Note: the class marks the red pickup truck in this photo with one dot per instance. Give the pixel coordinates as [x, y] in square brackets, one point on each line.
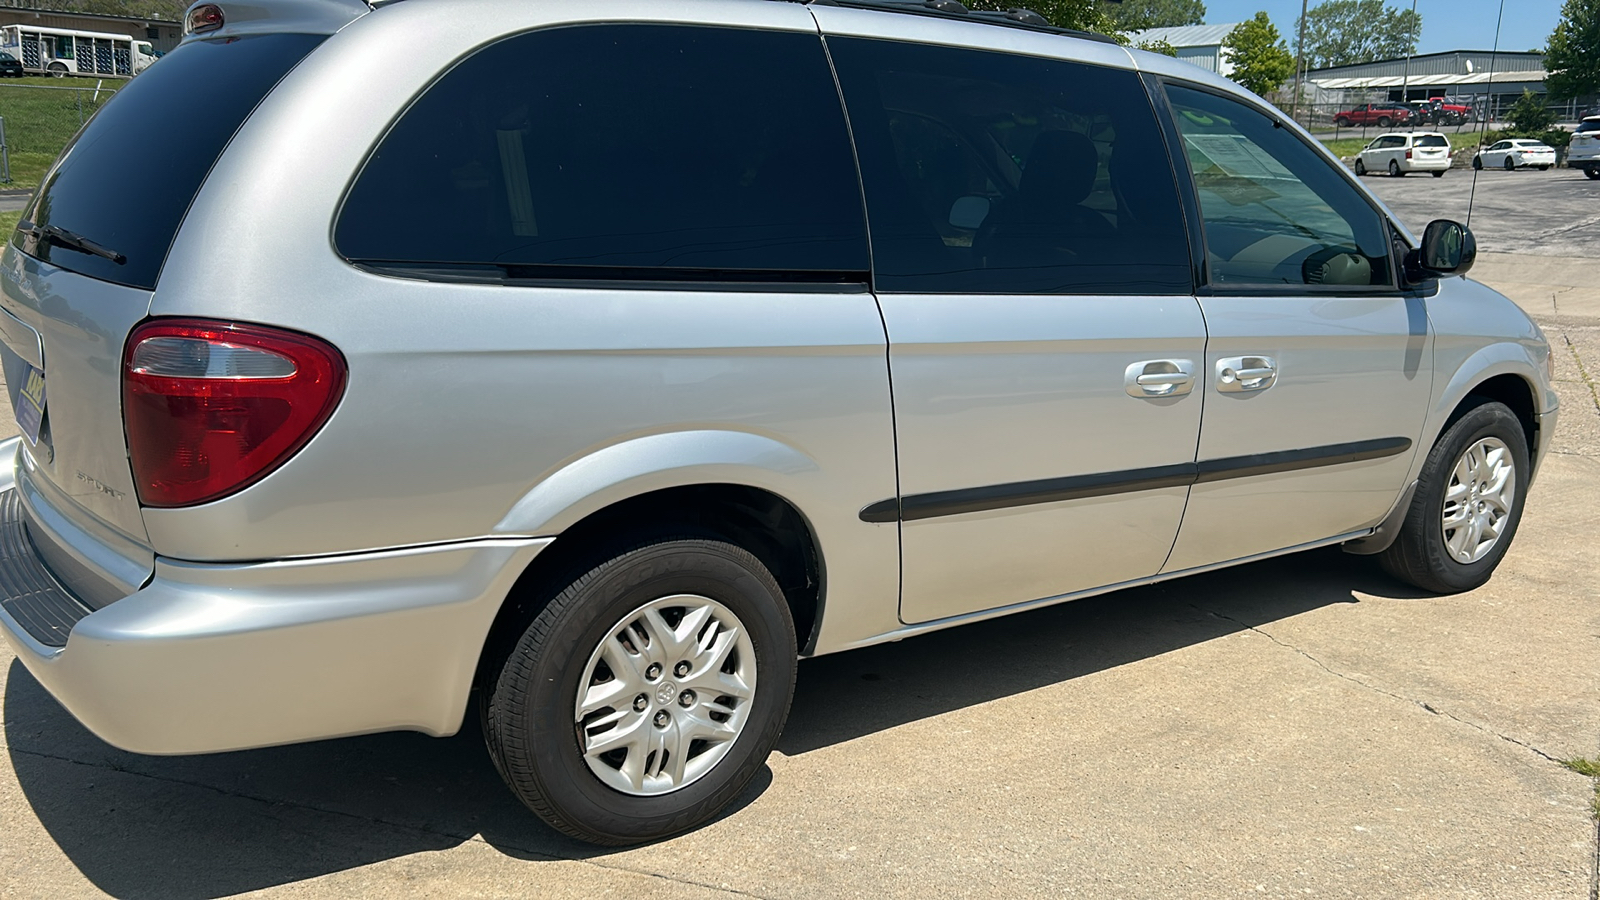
[1380, 114]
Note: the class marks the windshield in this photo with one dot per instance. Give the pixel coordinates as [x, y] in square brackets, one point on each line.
[164, 130]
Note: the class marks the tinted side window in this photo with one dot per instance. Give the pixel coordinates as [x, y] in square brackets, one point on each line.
[1275, 211]
[620, 151]
[988, 173]
[163, 131]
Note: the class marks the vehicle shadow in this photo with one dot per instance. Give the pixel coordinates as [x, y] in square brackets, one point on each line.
[210, 826]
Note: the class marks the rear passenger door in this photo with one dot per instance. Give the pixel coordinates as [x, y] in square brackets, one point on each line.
[1316, 378]
[1031, 262]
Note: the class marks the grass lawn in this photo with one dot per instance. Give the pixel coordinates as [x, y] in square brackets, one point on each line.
[41, 115]
[8, 224]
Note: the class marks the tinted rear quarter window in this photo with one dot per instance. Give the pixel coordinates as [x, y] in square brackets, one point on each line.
[129, 176]
[619, 151]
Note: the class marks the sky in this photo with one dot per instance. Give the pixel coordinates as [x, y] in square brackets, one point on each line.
[1446, 24]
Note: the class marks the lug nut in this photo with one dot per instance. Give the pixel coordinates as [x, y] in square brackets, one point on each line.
[662, 719]
[641, 702]
[686, 699]
[653, 672]
[681, 669]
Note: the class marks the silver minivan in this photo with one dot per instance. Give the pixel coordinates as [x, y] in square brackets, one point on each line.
[583, 365]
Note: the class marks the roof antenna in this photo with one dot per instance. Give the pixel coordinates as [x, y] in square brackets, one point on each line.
[1488, 104]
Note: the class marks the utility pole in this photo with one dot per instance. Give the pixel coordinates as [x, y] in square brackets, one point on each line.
[1405, 81]
[1299, 62]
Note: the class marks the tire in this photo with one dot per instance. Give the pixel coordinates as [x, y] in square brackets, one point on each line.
[1361, 167]
[1342, 122]
[57, 70]
[1439, 174]
[531, 705]
[1394, 169]
[1544, 168]
[1510, 165]
[1420, 554]
[1477, 162]
[1592, 172]
[1383, 122]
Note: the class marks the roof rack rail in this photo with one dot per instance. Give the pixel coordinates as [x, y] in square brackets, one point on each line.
[1025, 19]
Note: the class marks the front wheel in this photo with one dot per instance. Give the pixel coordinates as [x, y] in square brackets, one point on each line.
[647, 694]
[57, 70]
[1477, 162]
[1342, 122]
[1592, 171]
[1467, 505]
[1361, 167]
[1544, 168]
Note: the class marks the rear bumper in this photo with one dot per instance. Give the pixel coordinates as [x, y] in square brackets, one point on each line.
[1426, 165]
[208, 658]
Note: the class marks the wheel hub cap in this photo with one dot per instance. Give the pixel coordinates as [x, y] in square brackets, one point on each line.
[688, 723]
[1478, 500]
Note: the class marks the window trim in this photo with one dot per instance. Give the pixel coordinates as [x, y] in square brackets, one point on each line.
[1191, 198]
[617, 277]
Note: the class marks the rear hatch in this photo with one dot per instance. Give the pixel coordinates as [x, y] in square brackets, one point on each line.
[79, 273]
[1431, 146]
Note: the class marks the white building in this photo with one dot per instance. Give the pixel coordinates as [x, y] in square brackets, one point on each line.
[1197, 44]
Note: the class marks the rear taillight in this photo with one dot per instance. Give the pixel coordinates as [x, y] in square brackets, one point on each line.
[1408, 154]
[212, 407]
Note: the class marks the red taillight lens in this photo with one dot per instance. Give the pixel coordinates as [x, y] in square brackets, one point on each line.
[1408, 154]
[213, 407]
[204, 18]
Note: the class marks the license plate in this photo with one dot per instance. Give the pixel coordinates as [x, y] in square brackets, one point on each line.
[30, 404]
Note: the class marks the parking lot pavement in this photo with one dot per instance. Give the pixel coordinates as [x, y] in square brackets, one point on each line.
[1302, 726]
[1551, 213]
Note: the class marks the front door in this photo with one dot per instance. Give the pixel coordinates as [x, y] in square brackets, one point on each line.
[1032, 268]
[1316, 378]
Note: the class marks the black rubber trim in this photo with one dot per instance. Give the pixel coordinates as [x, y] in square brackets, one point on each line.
[28, 592]
[1078, 487]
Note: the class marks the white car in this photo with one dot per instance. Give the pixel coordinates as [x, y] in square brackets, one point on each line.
[1397, 154]
[1584, 151]
[1516, 154]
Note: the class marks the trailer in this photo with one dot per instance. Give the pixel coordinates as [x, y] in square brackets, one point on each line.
[64, 51]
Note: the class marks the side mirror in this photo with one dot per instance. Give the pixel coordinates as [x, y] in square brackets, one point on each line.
[968, 213]
[1448, 248]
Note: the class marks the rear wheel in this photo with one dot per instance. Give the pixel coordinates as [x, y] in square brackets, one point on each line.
[1439, 174]
[1510, 166]
[1544, 168]
[1394, 169]
[647, 694]
[1383, 122]
[1467, 505]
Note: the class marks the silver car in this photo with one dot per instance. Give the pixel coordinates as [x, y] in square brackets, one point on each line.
[584, 364]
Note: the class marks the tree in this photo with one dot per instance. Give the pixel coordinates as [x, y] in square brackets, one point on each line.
[1573, 56]
[1529, 116]
[1136, 15]
[1348, 32]
[1261, 60]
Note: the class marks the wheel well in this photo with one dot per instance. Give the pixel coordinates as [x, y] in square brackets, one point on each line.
[1516, 393]
[761, 522]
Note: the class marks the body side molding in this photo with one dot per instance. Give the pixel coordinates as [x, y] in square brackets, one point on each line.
[1077, 487]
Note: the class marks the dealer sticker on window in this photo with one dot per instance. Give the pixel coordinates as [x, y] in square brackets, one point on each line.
[30, 404]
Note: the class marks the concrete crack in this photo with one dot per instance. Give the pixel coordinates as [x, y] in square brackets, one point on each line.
[375, 820]
[1594, 392]
[1374, 688]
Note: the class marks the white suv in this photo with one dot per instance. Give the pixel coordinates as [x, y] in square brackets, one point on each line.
[1398, 154]
[1584, 151]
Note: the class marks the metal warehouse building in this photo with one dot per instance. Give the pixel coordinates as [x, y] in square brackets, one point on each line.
[1493, 81]
[160, 33]
[1197, 44]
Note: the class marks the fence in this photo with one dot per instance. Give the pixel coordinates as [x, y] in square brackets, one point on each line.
[41, 118]
[1349, 120]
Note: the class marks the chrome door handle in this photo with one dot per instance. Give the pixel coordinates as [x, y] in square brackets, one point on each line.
[1238, 374]
[1159, 378]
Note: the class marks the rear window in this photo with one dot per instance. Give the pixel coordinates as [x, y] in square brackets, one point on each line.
[619, 152]
[129, 176]
[1432, 140]
[1588, 125]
